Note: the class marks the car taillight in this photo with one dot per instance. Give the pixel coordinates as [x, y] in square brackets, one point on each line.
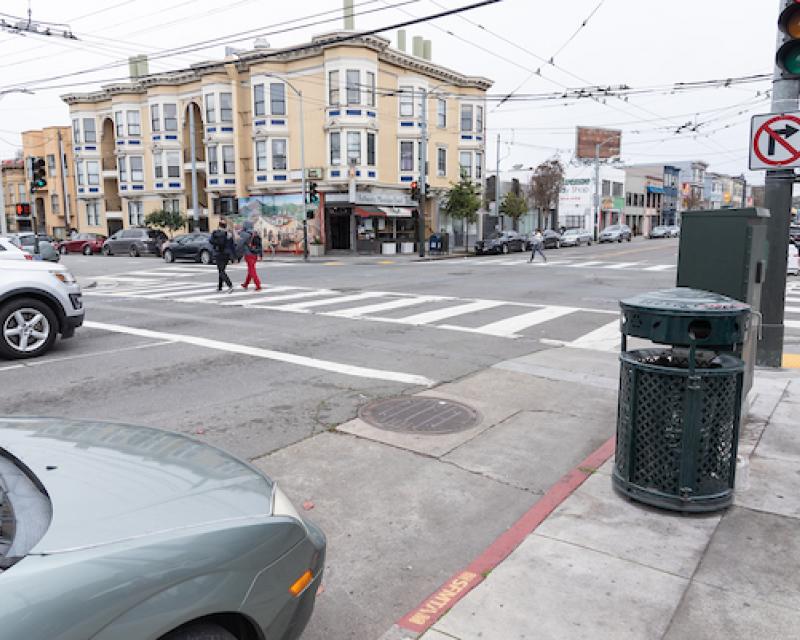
[28, 256]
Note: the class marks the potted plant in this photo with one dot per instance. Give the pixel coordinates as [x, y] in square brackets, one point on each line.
[316, 248]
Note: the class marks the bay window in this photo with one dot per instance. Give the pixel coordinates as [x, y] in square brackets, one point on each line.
[211, 111]
[466, 117]
[336, 148]
[173, 164]
[261, 155]
[213, 160]
[89, 131]
[137, 168]
[353, 86]
[333, 88]
[279, 154]
[122, 163]
[170, 117]
[228, 161]
[371, 149]
[225, 107]
[354, 147]
[370, 89]
[406, 102]
[155, 118]
[93, 172]
[406, 155]
[134, 123]
[277, 99]
[258, 100]
[465, 160]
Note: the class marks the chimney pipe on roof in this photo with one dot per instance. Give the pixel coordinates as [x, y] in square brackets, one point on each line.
[349, 19]
[401, 40]
[426, 50]
[137, 66]
[416, 47]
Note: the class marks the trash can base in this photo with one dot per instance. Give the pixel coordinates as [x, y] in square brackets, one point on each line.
[701, 504]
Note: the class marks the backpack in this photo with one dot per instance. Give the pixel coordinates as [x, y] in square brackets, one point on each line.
[218, 240]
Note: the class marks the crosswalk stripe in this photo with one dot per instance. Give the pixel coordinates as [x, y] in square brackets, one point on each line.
[621, 265]
[590, 263]
[163, 273]
[450, 312]
[792, 324]
[793, 309]
[174, 292]
[660, 267]
[143, 290]
[258, 302]
[305, 306]
[355, 312]
[606, 338]
[509, 327]
[225, 295]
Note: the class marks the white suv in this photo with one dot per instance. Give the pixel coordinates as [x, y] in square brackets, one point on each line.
[37, 302]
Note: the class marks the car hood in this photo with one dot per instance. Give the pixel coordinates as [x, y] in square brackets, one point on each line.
[108, 482]
[30, 265]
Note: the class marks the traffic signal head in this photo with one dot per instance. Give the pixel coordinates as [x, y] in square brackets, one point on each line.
[23, 210]
[788, 55]
[313, 196]
[415, 190]
[38, 169]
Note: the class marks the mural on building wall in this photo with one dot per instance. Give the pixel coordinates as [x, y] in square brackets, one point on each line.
[278, 218]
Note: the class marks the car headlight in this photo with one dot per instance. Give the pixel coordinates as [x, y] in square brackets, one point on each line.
[65, 276]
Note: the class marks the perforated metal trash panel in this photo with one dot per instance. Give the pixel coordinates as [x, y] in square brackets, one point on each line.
[677, 433]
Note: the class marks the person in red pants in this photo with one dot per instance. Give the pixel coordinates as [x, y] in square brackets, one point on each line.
[253, 250]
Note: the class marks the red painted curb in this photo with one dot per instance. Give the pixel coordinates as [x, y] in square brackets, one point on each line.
[440, 601]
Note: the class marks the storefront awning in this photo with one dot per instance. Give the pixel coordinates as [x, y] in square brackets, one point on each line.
[368, 211]
[652, 189]
[396, 212]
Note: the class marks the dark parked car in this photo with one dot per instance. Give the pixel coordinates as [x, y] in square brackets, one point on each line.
[501, 242]
[615, 233]
[135, 242]
[85, 243]
[660, 232]
[794, 234]
[112, 532]
[189, 246]
[576, 237]
[552, 239]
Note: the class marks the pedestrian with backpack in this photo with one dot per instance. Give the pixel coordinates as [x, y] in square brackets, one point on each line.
[253, 249]
[224, 251]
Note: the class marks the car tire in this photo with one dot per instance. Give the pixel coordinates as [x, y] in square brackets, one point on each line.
[629, 239]
[588, 243]
[106, 250]
[504, 249]
[133, 252]
[200, 632]
[205, 256]
[63, 250]
[87, 250]
[28, 307]
[168, 256]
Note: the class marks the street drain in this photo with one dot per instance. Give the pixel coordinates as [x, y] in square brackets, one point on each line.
[418, 414]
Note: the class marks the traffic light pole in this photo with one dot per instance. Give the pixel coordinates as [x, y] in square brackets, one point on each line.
[3, 227]
[423, 170]
[778, 199]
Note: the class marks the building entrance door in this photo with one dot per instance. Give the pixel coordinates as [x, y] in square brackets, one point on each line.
[114, 225]
[339, 228]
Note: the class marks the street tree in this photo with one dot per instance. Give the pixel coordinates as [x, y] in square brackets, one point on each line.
[545, 185]
[693, 200]
[171, 221]
[462, 202]
[514, 206]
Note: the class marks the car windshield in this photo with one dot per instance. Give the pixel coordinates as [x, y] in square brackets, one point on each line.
[571, 232]
[612, 228]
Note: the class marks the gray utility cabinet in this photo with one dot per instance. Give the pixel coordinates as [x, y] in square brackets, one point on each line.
[725, 251]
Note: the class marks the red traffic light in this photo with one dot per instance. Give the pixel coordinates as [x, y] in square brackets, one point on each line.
[23, 210]
[414, 184]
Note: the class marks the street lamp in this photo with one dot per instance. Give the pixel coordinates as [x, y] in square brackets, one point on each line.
[597, 183]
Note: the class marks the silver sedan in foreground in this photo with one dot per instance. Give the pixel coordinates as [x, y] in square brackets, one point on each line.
[114, 532]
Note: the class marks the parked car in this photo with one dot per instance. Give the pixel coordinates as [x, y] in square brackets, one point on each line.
[189, 246]
[38, 301]
[576, 237]
[552, 239]
[85, 243]
[134, 241]
[615, 233]
[26, 241]
[674, 231]
[794, 234]
[793, 261]
[113, 531]
[660, 232]
[501, 242]
[10, 251]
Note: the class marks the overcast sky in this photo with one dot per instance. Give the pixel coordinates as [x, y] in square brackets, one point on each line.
[640, 43]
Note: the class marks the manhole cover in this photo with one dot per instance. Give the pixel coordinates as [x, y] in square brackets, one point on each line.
[419, 415]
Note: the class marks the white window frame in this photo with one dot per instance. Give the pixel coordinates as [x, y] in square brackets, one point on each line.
[172, 205]
[210, 103]
[173, 163]
[406, 101]
[353, 87]
[54, 204]
[259, 100]
[137, 173]
[133, 119]
[334, 90]
[462, 118]
[93, 213]
[441, 161]
[228, 158]
[212, 156]
[170, 121]
[158, 166]
[119, 124]
[89, 132]
[372, 141]
[76, 131]
[51, 165]
[465, 171]
[261, 155]
[441, 113]
[274, 155]
[478, 166]
[401, 145]
[92, 177]
[135, 213]
[122, 164]
[370, 89]
[478, 119]
[277, 98]
[354, 135]
[225, 113]
[337, 146]
[155, 118]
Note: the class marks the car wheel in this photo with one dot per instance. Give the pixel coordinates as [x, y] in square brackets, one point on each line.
[505, 248]
[168, 256]
[63, 251]
[588, 243]
[28, 328]
[133, 252]
[629, 239]
[200, 632]
[106, 250]
[205, 256]
[87, 250]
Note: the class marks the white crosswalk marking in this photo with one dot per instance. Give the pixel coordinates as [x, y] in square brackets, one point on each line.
[303, 307]
[227, 296]
[258, 301]
[428, 317]
[586, 265]
[621, 265]
[509, 327]
[660, 267]
[382, 306]
[606, 338]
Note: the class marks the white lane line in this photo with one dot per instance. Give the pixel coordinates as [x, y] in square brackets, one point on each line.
[660, 267]
[117, 292]
[450, 312]
[621, 265]
[509, 327]
[792, 324]
[162, 274]
[606, 338]
[241, 292]
[159, 292]
[793, 309]
[588, 263]
[260, 302]
[290, 358]
[36, 363]
[357, 312]
[122, 279]
[303, 307]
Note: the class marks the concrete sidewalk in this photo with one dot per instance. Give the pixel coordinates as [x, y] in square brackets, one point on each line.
[601, 566]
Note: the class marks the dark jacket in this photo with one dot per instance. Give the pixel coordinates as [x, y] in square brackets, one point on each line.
[222, 243]
[250, 243]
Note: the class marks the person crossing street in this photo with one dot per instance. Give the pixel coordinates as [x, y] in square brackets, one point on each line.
[253, 249]
[537, 246]
[224, 251]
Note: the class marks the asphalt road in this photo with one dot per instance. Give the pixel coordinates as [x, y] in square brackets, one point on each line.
[269, 376]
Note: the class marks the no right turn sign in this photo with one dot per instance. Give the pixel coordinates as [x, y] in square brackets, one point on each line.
[773, 141]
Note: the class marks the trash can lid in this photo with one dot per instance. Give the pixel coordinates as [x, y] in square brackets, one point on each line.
[685, 301]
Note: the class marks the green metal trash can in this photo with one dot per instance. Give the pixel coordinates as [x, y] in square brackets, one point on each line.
[679, 405]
